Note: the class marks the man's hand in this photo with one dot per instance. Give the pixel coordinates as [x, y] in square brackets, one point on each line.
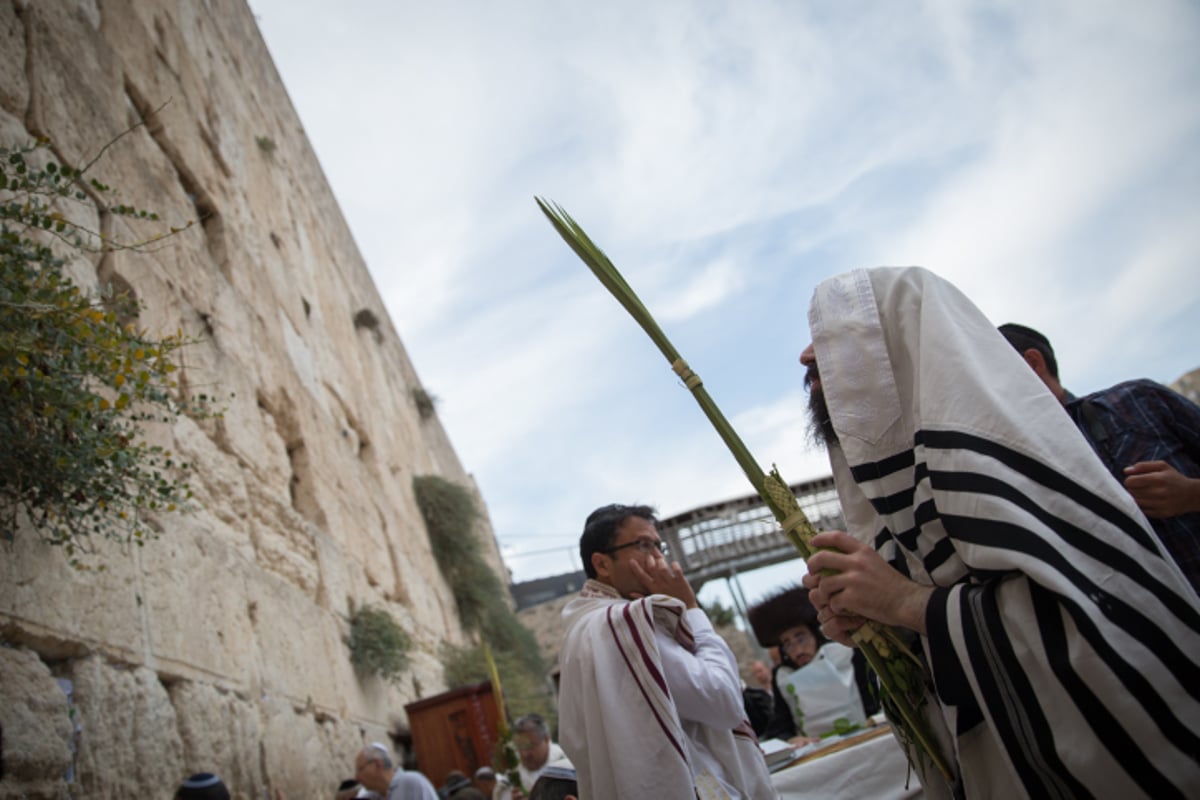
[661, 578]
[865, 586]
[1162, 491]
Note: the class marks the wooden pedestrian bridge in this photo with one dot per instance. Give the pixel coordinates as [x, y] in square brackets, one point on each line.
[733, 537]
[720, 540]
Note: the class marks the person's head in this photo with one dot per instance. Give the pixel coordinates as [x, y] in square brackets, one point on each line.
[557, 782]
[373, 767]
[485, 780]
[459, 787]
[761, 673]
[1035, 348]
[532, 736]
[820, 423]
[202, 786]
[788, 620]
[616, 536]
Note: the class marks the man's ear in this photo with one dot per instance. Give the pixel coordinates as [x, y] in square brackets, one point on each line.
[601, 563]
[1037, 362]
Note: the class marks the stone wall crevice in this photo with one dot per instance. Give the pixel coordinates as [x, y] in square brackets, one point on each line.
[207, 213]
[32, 105]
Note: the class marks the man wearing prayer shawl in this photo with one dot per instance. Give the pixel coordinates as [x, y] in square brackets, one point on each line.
[650, 701]
[1063, 643]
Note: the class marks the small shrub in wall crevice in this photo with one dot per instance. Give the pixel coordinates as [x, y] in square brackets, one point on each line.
[378, 645]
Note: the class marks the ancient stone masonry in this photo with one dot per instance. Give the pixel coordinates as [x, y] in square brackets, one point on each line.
[220, 646]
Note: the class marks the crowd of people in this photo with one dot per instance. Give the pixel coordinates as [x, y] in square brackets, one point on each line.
[1042, 550]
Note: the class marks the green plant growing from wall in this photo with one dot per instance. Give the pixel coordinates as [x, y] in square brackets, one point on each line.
[378, 644]
[451, 516]
[78, 380]
[425, 402]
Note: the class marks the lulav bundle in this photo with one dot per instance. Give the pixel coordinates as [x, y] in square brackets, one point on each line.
[901, 673]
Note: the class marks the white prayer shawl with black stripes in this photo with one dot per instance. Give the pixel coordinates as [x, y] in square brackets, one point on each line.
[1063, 643]
[617, 721]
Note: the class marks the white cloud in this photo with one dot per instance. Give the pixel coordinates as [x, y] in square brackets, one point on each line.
[728, 155]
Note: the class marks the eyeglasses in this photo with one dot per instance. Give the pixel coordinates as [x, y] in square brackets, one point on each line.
[796, 639]
[644, 546]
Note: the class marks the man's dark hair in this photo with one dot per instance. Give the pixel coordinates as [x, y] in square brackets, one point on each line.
[1024, 338]
[601, 529]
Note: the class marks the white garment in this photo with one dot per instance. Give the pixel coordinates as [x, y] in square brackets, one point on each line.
[650, 703]
[410, 786]
[1063, 643]
[528, 777]
[822, 691]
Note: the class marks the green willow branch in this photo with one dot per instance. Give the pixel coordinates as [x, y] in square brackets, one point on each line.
[901, 673]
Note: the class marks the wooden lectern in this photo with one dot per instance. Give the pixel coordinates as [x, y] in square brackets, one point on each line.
[454, 730]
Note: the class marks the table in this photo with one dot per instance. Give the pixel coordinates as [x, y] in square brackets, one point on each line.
[866, 765]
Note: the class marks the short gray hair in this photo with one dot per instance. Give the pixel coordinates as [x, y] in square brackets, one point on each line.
[533, 723]
[378, 752]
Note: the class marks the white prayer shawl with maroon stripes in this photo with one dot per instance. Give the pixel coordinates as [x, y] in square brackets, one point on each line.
[1063, 643]
[617, 721]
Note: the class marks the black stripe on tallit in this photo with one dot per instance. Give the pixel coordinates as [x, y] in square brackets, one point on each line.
[995, 533]
[885, 506]
[949, 680]
[873, 471]
[882, 538]
[939, 554]
[898, 501]
[1121, 746]
[1084, 541]
[1021, 725]
[1044, 474]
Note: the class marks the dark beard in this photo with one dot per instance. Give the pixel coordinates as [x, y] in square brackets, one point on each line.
[820, 425]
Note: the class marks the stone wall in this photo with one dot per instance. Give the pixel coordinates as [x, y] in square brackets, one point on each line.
[1188, 385]
[220, 645]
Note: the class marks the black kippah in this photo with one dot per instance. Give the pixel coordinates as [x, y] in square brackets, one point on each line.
[202, 786]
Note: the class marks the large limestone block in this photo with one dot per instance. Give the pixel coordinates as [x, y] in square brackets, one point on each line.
[14, 87]
[36, 727]
[283, 542]
[220, 731]
[219, 486]
[75, 79]
[299, 646]
[167, 72]
[306, 754]
[129, 740]
[60, 612]
[197, 609]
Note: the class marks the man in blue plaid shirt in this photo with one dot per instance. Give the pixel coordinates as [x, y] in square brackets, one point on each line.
[1149, 438]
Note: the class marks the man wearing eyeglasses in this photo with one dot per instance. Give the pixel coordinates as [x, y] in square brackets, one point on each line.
[650, 701]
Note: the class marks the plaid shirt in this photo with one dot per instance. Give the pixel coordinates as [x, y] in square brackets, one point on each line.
[1145, 421]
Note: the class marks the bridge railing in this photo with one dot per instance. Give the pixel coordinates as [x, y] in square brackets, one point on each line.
[738, 535]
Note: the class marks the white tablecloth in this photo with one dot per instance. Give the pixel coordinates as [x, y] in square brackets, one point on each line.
[872, 769]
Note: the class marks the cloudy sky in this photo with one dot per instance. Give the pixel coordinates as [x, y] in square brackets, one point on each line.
[1044, 155]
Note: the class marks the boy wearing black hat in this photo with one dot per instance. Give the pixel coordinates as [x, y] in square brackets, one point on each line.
[787, 620]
